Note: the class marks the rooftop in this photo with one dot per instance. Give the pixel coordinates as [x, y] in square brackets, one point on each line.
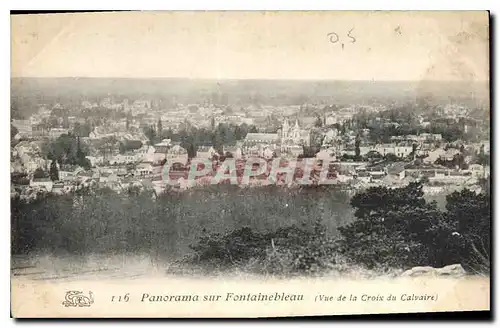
[205, 148]
[42, 180]
[262, 137]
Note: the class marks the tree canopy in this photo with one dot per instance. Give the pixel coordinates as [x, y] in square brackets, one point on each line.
[67, 149]
[398, 228]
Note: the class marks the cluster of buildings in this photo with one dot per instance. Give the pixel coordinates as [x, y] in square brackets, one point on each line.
[356, 159]
[287, 141]
[139, 113]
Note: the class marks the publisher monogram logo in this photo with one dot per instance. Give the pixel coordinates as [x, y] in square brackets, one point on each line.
[77, 299]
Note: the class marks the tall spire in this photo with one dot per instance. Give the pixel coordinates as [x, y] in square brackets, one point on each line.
[284, 130]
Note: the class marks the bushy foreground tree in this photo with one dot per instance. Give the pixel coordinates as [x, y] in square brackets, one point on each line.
[398, 228]
[288, 250]
[470, 214]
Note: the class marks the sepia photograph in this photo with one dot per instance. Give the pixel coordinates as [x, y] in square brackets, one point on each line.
[244, 164]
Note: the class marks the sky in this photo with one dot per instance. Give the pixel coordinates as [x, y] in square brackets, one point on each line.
[254, 45]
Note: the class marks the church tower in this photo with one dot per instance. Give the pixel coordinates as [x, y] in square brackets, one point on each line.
[284, 130]
[296, 131]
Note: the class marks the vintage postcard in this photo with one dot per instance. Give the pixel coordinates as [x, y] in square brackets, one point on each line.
[249, 164]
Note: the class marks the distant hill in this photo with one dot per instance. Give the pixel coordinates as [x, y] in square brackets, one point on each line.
[27, 92]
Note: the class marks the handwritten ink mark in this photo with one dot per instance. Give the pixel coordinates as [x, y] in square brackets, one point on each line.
[331, 35]
[398, 30]
[350, 36]
[334, 38]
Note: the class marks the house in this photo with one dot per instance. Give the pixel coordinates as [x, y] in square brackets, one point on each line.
[331, 119]
[235, 151]
[62, 188]
[376, 169]
[95, 160]
[326, 154]
[437, 137]
[120, 171]
[141, 105]
[426, 136]
[145, 149]
[23, 127]
[252, 139]
[483, 145]
[253, 151]
[452, 177]
[157, 169]
[430, 171]
[403, 150]
[106, 177]
[344, 178]
[350, 167]
[423, 150]
[154, 157]
[398, 138]
[393, 180]
[205, 152]
[363, 176]
[66, 176]
[385, 149]
[331, 137]
[123, 159]
[294, 151]
[267, 152]
[433, 156]
[58, 188]
[364, 150]
[144, 169]
[45, 183]
[113, 185]
[479, 171]
[163, 146]
[23, 147]
[177, 154]
[396, 169]
[412, 137]
[31, 162]
[376, 176]
[55, 133]
[84, 177]
[348, 151]
[449, 154]
[83, 174]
